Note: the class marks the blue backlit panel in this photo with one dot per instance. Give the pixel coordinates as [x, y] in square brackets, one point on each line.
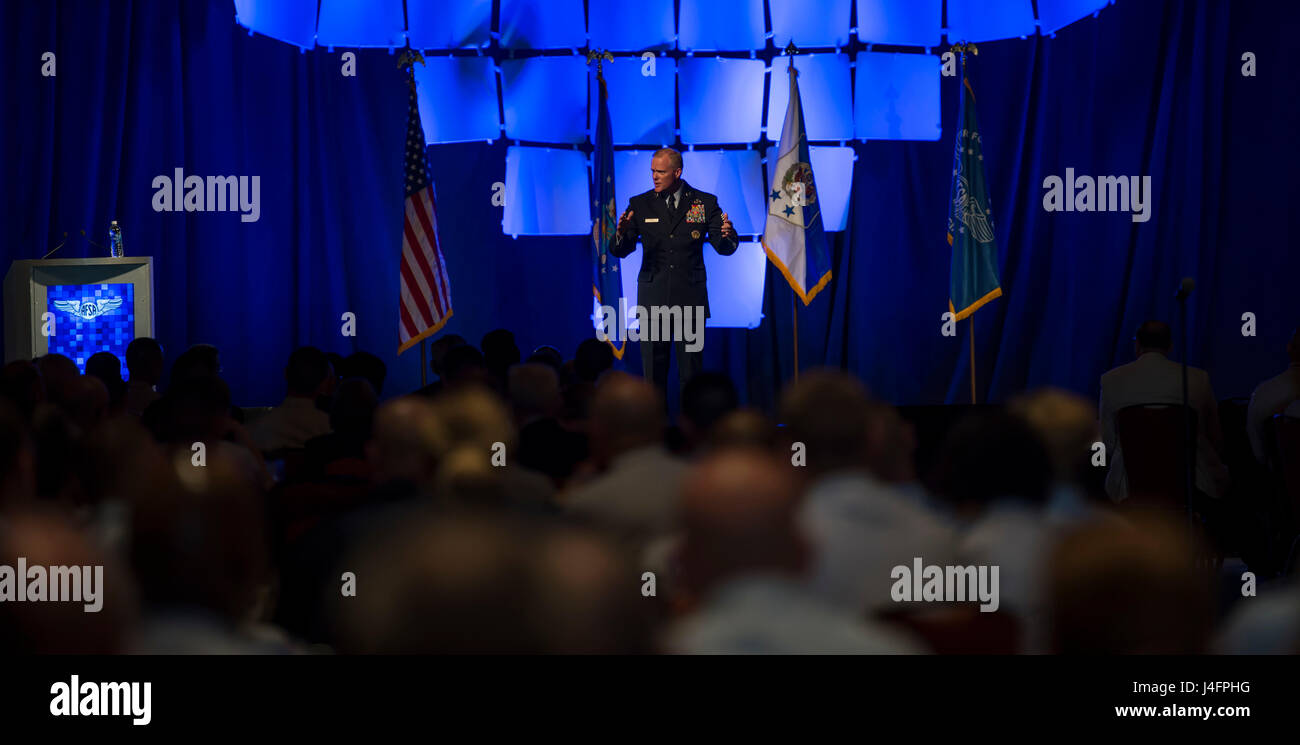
[824, 89]
[720, 100]
[361, 23]
[642, 107]
[90, 319]
[545, 98]
[821, 24]
[543, 24]
[980, 20]
[546, 192]
[709, 25]
[458, 99]
[437, 24]
[833, 171]
[293, 21]
[632, 175]
[630, 25]
[736, 178]
[1053, 15]
[911, 23]
[897, 97]
[735, 284]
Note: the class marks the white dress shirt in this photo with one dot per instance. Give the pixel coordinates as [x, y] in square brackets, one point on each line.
[1270, 397]
[776, 614]
[1154, 379]
[860, 529]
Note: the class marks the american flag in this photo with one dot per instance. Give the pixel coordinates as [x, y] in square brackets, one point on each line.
[425, 293]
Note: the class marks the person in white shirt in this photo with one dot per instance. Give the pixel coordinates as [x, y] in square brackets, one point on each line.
[296, 420]
[1272, 397]
[637, 493]
[742, 564]
[1155, 379]
[860, 525]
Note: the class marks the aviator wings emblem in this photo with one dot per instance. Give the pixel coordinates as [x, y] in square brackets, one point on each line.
[89, 309]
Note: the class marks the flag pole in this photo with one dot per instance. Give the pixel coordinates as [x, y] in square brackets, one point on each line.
[965, 47]
[972, 358]
[790, 51]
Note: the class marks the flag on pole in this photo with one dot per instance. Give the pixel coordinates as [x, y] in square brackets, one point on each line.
[607, 283]
[424, 302]
[973, 280]
[793, 238]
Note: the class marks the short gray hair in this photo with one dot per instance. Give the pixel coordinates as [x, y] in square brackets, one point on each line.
[674, 157]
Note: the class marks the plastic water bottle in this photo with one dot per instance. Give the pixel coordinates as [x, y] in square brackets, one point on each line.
[115, 240]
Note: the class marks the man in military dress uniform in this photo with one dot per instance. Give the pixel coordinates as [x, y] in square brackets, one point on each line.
[672, 221]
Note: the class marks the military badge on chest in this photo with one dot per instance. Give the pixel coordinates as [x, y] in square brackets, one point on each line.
[696, 213]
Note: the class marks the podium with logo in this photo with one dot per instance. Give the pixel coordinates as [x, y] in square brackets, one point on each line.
[77, 307]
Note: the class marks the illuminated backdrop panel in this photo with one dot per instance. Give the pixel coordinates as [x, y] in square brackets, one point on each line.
[547, 192]
[720, 100]
[545, 98]
[452, 105]
[897, 97]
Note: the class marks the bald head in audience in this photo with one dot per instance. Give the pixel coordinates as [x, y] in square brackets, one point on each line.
[1067, 425]
[626, 414]
[1115, 589]
[741, 429]
[738, 513]
[406, 443]
[582, 604]
[833, 415]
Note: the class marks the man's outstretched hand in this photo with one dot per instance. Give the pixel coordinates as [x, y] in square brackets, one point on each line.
[625, 221]
[727, 230]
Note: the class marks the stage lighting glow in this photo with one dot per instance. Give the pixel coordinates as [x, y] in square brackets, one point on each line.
[457, 97]
[545, 98]
[980, 20]
[1053, 15]
[631, 175]
[825, 26]
[824, 90]
[720, 100]
[897, 97]
[543, 24]
[735, 284]
[435, 24]
[911, 23]
[361, 23]
[293, 21]
[708, 25]
[642, 108]
[544, 188]
[736, 178]
[630, 25]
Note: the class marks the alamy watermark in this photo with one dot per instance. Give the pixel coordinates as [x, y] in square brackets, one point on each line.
[181, 193]
[91, 699]
[936, 584]
[54, 584]
[683, 323]
[1100, 194]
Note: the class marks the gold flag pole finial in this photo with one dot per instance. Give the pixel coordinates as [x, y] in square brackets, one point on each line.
[599, 56]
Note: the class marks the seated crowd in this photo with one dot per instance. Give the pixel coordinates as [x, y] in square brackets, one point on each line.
[545, 505]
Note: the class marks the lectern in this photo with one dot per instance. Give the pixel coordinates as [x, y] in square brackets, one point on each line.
[77, 307]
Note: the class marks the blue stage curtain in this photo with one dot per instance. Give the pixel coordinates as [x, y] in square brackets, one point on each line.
[1146, 88]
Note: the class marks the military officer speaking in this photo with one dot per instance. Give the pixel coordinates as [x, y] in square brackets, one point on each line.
[672, 221]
